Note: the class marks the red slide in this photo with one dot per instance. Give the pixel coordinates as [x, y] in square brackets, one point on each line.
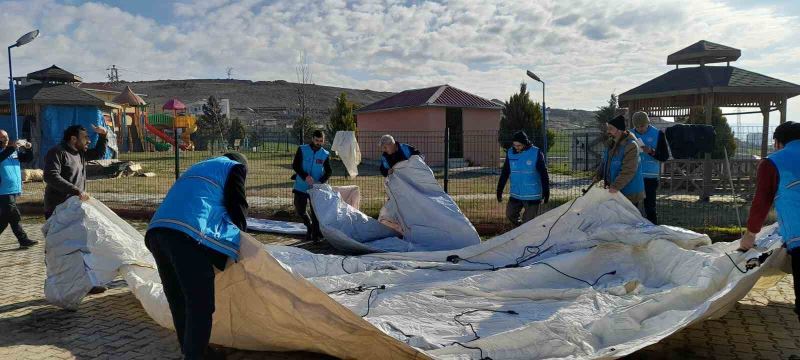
[162, 135]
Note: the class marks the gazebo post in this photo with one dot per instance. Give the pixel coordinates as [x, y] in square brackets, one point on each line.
[765, 129]
[782, 109]
[708, 111]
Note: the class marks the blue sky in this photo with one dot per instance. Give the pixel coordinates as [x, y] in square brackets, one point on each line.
[584, 49]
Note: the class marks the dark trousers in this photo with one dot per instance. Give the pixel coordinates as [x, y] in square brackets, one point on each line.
[9, 215]
[514, 207]
[301, 202]
[650, 187]
[795, 254]
[188, 278]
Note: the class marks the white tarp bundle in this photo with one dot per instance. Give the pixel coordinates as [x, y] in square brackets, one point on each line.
[346, 147]
[526, 294]
[427, 218]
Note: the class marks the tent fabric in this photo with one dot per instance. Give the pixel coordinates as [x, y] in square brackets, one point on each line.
[56, 118]
[648, 282]
[259, 305]
[350, 194]
[346, 147]
[276, 226]
[423, 216]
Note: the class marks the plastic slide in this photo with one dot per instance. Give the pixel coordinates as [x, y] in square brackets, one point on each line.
[152, 129]
[160, 146]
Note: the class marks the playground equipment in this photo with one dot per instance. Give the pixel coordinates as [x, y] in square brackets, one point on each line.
[157, 124]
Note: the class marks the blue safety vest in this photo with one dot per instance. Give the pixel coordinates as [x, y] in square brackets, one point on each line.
[787, 200]
[10, 175]
[651, 168]
[636, 185]
[404, 148]
[526, 183]
[313, 164]
[195, 206]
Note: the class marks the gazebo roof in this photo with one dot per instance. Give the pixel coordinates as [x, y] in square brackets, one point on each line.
[710, 79]
[54, 94]
[704, 52]
[54, 73]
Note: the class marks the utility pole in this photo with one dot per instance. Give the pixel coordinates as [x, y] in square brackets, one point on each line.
[113, 74]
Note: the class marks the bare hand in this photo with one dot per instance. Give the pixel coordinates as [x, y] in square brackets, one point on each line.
[747, 242]
[100, 130]
[84, 196]
[309, 180]
[391, 171]
[646, 149]
[612, 190]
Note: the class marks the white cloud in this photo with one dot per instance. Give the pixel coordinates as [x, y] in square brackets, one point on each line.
[583, 49]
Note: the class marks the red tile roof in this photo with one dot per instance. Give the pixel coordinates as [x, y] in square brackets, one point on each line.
[443, 95]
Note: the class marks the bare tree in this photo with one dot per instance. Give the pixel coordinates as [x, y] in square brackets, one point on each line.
[304, 79]
[229, 71]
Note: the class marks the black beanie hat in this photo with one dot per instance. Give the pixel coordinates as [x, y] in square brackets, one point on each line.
[618, 122]
[521, 137]
[238, 157]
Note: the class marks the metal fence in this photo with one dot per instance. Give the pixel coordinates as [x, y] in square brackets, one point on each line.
[470, 176]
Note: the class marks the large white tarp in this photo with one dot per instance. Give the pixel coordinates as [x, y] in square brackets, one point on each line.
[526, 294]
[422, 216]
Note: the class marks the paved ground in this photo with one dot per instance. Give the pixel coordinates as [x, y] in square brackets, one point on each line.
[114, 326]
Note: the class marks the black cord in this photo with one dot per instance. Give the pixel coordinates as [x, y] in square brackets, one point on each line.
[458, 316]
[343, 269]
[358, 290]
[472, 348]
[613, 272]
[735, 265]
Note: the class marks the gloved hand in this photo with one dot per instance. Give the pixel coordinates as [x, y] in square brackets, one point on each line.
[499, 196]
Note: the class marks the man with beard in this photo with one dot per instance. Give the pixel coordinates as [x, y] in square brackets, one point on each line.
[311, 166]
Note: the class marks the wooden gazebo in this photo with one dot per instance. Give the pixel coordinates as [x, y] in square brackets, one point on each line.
[676, 92]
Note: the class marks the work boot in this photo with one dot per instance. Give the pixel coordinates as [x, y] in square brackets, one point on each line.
[309, 236]
[24, 244]
[97, 290]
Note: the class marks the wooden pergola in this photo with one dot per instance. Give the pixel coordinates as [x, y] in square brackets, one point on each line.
[678, 91]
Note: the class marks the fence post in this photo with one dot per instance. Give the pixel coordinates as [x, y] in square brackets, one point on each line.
[586, 153]
[446, 157]
[175, 138]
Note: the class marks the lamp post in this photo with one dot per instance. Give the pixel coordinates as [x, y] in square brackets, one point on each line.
[544, 113]
[24, 39]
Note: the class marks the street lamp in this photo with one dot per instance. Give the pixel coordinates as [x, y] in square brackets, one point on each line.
[24, 39]
[544, 113]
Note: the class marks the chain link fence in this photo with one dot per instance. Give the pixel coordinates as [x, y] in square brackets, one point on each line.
[470, 175]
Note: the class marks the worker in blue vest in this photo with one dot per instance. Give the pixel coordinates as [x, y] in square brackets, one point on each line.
[653, 144]
[530, 182]
[197, 228]
[11, 186]
[620, 170]
[778, 183]
[393, 153]
[311, 166]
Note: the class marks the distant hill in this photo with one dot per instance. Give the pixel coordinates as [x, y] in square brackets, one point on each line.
[277, 100]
